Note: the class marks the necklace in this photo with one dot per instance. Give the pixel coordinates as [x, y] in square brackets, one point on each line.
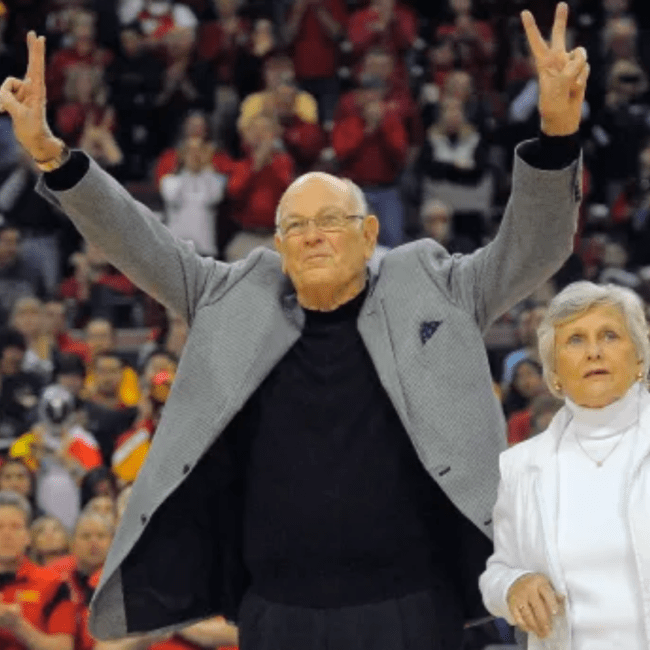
[599, 463]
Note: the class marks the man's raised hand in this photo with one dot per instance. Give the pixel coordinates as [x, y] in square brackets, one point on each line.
[562, 75]
[24, 100]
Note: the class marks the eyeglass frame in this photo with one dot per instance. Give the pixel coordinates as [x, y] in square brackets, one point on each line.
[305, 224]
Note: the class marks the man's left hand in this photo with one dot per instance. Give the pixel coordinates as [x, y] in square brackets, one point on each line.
[562, 75]
[10, 616]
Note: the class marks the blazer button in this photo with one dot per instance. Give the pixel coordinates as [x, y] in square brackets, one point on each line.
[487, 522]
[186, 469]
[143, 519]
[441, 470]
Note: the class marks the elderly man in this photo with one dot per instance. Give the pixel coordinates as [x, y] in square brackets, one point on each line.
[325, 467]
[36, 612]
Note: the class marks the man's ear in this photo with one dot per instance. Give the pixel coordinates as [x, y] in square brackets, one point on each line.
[279, 246]
[370, 233]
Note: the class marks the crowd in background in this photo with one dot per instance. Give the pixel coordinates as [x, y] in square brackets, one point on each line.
[207, 110]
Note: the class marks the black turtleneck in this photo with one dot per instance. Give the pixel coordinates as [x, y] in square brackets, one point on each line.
[338, 508]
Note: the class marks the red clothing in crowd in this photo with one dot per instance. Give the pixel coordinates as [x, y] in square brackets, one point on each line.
[398, 37]
[168, 163]
[66, 568]
[71, 118]
[216, 45]
[375, 158]
[304, 141]
[44, 600]
[69, 345]
[398, 100]
[315, 52]
[61, 62]
[112, 279]
[256, 194]
[519, 426]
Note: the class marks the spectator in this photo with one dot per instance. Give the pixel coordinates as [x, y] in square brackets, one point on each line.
[132, 447]
[98, 290]
[384, 23]
[314, 29]
[98, 482]
[100, 337]
[436, 219]
[280, 95]
[473, 42]
[17, 277]
[56, 328]
[527, 384]
[46, 238]
[60, 451]
[103, 505]
[84, 51]
[134, 79]
[542, 409]
[192, 195]
[91, 540]
[528, 322]
[157, 19]
[187, 84]
[371, 143]
[256, 185]
[19, 390]
[85, 120]
[452, 166]
[195, 128]
[40, 354]
[17, 477]
[167, 340]
[49, 540]
[37, 610]
[108, 370]
[70, 372]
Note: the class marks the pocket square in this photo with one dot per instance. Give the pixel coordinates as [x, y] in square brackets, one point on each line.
[428, 329]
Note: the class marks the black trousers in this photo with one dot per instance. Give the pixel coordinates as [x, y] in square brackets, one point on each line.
[426, 620]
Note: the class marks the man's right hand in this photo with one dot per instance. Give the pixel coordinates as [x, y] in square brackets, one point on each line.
[533, 602]
[25, 102]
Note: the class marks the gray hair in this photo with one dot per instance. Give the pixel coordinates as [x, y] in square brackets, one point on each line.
[576, 299]
[360, 203]
[15, 500]
[91, 515]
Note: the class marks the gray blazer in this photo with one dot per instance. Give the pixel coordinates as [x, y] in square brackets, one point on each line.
[171, 561]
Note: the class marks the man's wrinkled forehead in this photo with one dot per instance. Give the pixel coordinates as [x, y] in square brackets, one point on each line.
[310, 196]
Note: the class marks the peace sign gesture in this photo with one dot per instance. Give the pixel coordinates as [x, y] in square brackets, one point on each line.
[562, 75]
[24, 100]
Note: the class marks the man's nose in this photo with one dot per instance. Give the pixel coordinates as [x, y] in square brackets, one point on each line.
[312, 233]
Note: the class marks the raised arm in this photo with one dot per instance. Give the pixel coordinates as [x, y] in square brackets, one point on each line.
[536, 233]
[131, 236]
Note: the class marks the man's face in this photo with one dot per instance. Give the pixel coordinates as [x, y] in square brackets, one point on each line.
[437, 224]
[54, 317]
[11, 361]
[9, 245]
[324, 259]
[29, 320]
[91, 543]
[15, 477]
[108, 375]
[99, 336]
[51, 542]
[14, 534]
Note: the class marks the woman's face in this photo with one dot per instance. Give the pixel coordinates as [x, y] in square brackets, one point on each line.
[528, 380]
[595, 359]
[15, 476]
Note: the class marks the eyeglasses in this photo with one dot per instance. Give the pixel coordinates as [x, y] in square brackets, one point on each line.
[326, 222]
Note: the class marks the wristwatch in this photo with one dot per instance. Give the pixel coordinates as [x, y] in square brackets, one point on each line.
[54, 163]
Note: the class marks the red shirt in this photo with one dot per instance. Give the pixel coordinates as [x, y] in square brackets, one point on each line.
[396, 38]
[45, 602]
[257, 193]
[69, 345]
[168, 161]
[66, 568]
[219, 47]
[57, 68]
[315, 52]
[519, 427]
[370, 158]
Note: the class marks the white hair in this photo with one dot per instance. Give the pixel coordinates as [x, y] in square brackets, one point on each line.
[576, 299]
[359, 199]
[90, 515]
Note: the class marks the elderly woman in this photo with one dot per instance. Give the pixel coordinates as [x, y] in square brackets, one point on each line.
[571, 562]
